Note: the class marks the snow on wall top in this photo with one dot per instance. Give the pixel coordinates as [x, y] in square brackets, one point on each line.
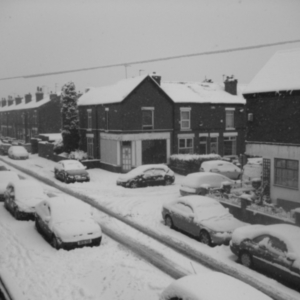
[32, 104]
[110, 94]
[199, 92]
[280, 73]
[179, 92]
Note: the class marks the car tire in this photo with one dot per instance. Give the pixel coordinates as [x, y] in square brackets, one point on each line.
[246, 259]
[134, 185]
[205, 238]
[54, 243]
[169, 222]
[16, 213]
[38, 227]
[168, 181]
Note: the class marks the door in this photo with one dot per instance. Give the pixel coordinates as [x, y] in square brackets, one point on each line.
[126, 156]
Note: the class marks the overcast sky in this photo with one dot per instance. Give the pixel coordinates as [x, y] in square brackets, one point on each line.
[40, 36]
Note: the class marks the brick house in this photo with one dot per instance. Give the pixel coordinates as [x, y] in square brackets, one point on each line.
[142, 120]
[24, 118]
[273, 109]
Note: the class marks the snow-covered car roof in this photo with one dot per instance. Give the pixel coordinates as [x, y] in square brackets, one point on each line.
[288, 233]
[5, 178]
[217, 162]
[195, 180]
[25, 189]
[140, 169]
[201, 287]
[18, 149]
[64, 208]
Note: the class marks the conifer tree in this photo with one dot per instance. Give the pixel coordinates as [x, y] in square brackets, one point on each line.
[70, 119]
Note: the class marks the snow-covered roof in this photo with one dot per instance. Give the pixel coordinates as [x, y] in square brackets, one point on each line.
[110, 94]
[179, 92]
[280, 73]
[199, 92]
[32, 104]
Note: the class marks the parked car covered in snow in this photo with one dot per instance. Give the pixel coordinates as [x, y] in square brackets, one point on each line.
[4, 147]
[147, 175]
[71, 170]
[201, 287]
[222, 167]
[21, 197]
[274, 248]
[194, 183]
[232, 158]
[202, 217]
[18, 152]
[67, 223]
[252, 170]
[5, 178]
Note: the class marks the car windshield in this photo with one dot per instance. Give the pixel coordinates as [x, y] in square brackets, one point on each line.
[76, 165]
[205, 213]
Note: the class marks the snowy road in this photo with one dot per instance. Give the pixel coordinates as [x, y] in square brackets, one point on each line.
[143, 207]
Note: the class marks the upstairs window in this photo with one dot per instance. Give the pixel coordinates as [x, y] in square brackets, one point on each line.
[89, 119]
[229, 120]
[286, 173]
[185, 118]
[147, 118]
[34, 118]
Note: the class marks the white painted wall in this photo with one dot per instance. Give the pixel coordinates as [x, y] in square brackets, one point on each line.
[277, 151]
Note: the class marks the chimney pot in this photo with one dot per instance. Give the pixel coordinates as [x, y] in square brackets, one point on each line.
[231, 85]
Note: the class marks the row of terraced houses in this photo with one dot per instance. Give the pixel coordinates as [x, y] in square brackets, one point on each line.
[144, 120]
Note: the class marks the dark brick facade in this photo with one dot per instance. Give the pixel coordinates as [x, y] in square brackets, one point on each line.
[275, 117]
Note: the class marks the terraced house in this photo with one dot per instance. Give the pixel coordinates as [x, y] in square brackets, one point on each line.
[273, 109]
[143, 120]
[24, 118]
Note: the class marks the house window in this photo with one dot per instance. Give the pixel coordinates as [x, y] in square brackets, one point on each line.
[34, 118]
[203, 145]
[34, 132]
[185, 118]
[286, 173]
[214, 145]
[147, 118]
[229, 120]
[229, 145]
[90, 147]
[185, 145]
[89, 119]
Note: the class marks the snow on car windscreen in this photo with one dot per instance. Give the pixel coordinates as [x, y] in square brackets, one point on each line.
[74, 166]
[19, 150]
[26, 191]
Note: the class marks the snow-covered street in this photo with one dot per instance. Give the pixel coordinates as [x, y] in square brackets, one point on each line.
[32, 256]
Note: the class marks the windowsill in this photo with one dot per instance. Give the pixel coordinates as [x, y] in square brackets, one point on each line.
[89, 129]
[230, 128]
[185, 129]
[287, 187]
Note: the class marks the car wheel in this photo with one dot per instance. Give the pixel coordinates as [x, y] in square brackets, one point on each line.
[204, 237]
[16, 213]
[65, 178]
[169, 222]
[54, 243]
[246, 259]
[239, 177]
[37, 226]
[134, 185]
[168, 181]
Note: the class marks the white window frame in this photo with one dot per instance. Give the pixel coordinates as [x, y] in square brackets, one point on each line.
[182, 120]
[185, 149]
[148, 127]
[90, 146]
[229, 118]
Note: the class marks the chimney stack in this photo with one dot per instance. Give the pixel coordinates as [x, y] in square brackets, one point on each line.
[39, 94]
[10, 101]
[3, 102]
[18, 100]
[231, 85]
[28, 98]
